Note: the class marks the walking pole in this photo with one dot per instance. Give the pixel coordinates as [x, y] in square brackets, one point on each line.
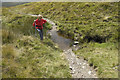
[35, 28]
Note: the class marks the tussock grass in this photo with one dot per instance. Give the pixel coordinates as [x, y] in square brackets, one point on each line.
[88, 23]
[36, 60]
[7, 36]
[8, 51]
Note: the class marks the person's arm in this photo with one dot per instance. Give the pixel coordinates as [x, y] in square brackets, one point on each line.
[34, 23]
[44, 21]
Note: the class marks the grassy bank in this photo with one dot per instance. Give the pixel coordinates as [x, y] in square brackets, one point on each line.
[79, 21]
[102, 57]
[29, 58]
[93, 25]
[25, 56]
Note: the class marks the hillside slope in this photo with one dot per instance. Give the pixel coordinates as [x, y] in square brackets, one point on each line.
[93, 25]
[79, 21]
[25, 56]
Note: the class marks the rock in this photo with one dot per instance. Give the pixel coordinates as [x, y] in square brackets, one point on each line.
[72, 72]
[84, 63]
[83, 67]
[70, 68]
[76, 42]
[72, 62]
[74, 45]
[89, 72]
[77, 63]
[80, 63]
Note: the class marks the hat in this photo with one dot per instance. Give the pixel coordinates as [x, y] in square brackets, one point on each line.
[40, 15]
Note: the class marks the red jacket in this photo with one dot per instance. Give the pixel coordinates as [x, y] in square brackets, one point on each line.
[39, 23]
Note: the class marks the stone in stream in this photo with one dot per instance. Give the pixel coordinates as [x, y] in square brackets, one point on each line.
[70, 68]
[76, 42]
[74, 45]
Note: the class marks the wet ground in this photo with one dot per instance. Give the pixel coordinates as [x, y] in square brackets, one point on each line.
[62, 42]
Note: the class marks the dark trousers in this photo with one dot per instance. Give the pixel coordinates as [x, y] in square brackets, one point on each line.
[40, 33]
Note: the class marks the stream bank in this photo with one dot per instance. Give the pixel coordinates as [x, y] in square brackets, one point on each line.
[78, 66]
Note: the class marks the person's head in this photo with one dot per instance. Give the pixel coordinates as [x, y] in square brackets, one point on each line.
[39, 16]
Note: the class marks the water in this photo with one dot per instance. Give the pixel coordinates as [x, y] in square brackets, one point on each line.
[63, 43]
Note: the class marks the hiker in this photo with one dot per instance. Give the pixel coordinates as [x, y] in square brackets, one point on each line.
[39, 25]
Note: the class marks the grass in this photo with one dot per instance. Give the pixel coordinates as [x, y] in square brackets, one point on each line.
[103, 57]
[28, 57]
[94, 25]
[25, 56]
[7, 36]
[83, 20]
